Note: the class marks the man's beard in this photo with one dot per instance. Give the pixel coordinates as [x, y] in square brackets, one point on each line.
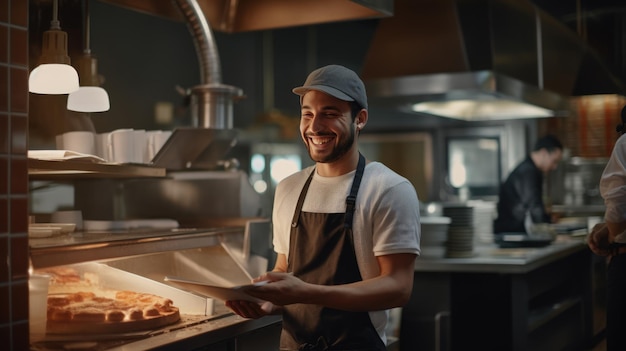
[339, 151]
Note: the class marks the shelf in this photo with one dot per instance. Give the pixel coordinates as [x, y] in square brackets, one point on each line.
[91, 246]
[72, 170]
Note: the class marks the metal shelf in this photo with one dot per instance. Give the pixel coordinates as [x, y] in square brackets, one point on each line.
[72, 170]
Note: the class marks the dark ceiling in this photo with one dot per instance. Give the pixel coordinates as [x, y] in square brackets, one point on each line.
[600, 23]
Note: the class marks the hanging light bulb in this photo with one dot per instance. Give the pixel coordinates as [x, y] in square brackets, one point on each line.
[54, 75]
[90, 97]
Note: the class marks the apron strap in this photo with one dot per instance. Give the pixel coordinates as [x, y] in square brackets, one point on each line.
[296, 214]
[351, 199]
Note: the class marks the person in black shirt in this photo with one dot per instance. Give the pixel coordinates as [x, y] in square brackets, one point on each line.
[521, 195]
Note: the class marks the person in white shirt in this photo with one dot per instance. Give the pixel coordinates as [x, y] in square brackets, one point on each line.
[346, 230]
[609, 239]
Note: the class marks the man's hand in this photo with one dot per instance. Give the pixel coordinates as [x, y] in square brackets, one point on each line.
[598, 240]
[283, 289]
[248, 309]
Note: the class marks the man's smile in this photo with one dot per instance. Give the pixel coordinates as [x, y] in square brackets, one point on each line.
[320, 140]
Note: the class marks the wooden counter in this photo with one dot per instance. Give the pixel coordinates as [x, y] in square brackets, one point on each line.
[501, 299]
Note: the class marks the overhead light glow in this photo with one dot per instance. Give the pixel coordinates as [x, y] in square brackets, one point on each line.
[475, 110]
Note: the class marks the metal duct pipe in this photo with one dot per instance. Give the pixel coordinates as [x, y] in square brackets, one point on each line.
[208, 56]
[211, 102]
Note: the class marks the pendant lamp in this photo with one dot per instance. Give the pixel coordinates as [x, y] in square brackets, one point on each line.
[90, 97]
[54, 75]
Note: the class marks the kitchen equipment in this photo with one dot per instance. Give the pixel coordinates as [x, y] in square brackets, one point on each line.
[253, 15]
[450, 54]
[193, 148]
[156, 140]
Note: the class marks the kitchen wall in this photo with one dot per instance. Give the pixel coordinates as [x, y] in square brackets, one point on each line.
[13, 178]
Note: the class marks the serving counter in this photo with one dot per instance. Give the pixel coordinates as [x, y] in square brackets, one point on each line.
[541, 298]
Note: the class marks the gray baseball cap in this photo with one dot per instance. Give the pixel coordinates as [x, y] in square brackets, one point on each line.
[335, 80]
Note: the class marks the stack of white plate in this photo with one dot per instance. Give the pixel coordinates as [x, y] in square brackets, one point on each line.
[460, 241]
[434, 230]
[484, 213]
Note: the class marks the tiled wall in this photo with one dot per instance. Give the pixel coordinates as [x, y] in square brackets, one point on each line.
[590, 132]
[13, 175]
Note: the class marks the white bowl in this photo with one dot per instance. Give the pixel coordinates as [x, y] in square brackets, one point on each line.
[43, 232]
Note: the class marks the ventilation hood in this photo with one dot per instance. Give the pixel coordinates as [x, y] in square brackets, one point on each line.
[479, 60]
[248, 15]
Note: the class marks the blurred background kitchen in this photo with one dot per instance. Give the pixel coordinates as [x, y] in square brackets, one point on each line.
[459, 91]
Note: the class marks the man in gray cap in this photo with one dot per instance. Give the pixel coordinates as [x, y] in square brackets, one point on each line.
[346, 231]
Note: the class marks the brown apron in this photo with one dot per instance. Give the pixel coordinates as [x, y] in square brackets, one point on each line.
[321, 251]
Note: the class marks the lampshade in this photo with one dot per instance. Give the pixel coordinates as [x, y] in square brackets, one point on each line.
[53, 78]
[88, 99]
[54, 75]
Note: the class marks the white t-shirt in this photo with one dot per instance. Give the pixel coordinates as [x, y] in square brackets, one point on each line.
[613, 186]
[386, 218]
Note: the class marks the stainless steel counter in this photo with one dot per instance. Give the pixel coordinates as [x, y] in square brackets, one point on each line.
[527, 299]
[489, 258]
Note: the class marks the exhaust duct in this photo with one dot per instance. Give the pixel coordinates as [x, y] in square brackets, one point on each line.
[211, 101]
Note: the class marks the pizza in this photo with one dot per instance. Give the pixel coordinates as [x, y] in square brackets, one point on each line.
[78, 303]
[108, 311]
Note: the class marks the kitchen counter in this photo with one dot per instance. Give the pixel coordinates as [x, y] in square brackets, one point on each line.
[491, 258]
[502, 299]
